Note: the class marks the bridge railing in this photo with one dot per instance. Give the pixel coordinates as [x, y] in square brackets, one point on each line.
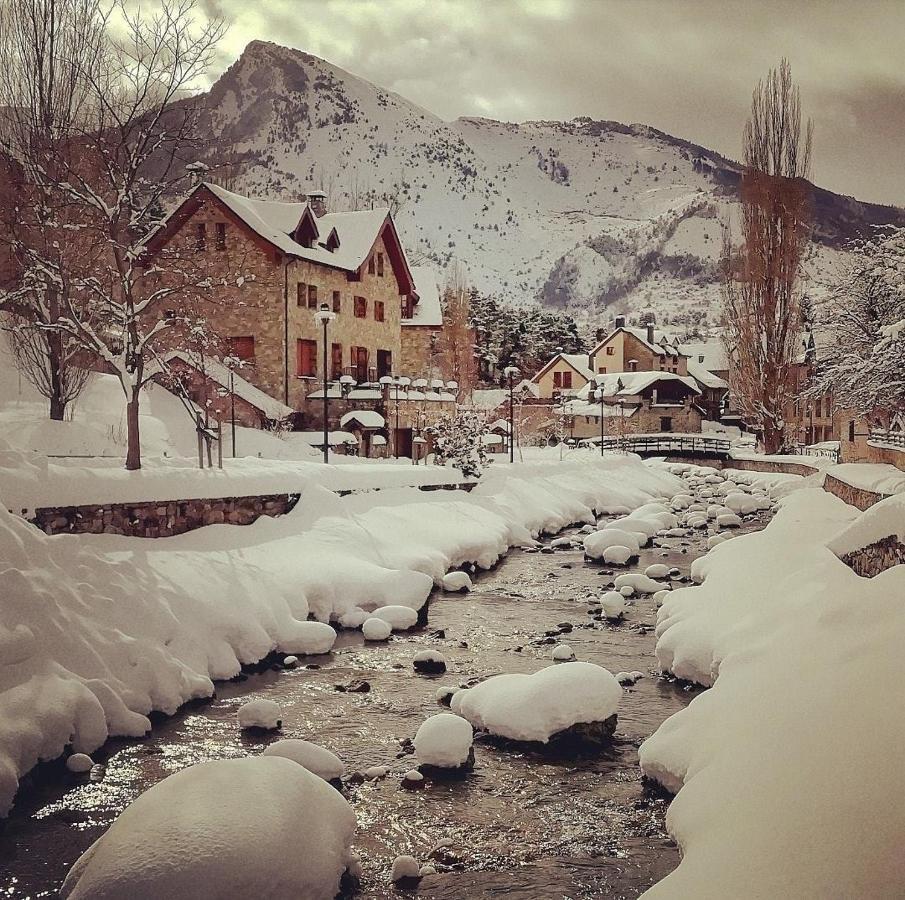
[663, 444]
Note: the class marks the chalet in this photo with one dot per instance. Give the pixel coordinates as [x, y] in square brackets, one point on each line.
[277, 263]
[628, 349]
[565, 374]
[636, 402]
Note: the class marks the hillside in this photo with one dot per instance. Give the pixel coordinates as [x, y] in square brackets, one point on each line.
[597, 217]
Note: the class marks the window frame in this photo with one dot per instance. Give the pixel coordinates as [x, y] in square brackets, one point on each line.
[379, 311]
[361, 307]
[302, 346]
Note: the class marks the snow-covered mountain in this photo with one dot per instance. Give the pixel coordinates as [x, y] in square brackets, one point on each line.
[597, 217]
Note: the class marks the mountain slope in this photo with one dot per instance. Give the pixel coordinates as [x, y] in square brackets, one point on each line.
[587, 215]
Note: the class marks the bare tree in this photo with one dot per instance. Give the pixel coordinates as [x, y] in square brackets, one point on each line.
[49, 50]
[761, 291]
[456, 346]
[128, 153]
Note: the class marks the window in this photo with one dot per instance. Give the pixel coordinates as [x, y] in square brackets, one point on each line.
[380, 264]
[567, 379]
[336, 361]
[384, 363]
[312, 296]
[200, 237]
[301, 295]
[665, 423]
[361, 308]
[601, 370]
[371, 266]
[359, 360]
[610, 351]
[633, 365]
[818, 410]
[242, 347]
[407, 308]
[337, 303]
[851, 431]
[378, 311]
[557, 379]
[306, 358]
[221, 235]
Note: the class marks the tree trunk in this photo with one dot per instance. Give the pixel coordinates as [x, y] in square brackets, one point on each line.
[55, 366]
[133, 442]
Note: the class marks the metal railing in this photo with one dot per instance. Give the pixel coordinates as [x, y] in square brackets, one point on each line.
[665, 444]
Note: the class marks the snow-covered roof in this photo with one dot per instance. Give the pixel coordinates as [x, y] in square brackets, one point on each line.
[711, 354]
[592, 410]
[275, 221]
[220, 374]
[491, 398]
[704, 376]
[663, 343]
[633, 383]
[428, 310]
[367, 418]
[578, 361]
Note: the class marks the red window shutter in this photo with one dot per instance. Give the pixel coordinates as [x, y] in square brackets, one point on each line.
[243, 347]
[567, 379]
[312, 296]
[306, 358]
[337, 303]
[557, 379]
[301, 294]
[336, 360]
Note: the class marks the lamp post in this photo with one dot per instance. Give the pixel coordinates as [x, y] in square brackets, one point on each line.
[622, 424]
[511, 372]
[324, 316]
[598, 395]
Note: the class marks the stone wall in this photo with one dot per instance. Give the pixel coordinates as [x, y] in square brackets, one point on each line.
[160, 518]
[770, 465]
[860, 498]
[876, 557]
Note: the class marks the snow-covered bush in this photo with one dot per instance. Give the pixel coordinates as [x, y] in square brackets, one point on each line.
[459, 442]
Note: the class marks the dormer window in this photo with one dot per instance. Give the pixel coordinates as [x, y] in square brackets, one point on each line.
[306, 232]
[332, 242]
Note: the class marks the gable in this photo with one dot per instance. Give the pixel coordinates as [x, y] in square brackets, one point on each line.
[562, 359]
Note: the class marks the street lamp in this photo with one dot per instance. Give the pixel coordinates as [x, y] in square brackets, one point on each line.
[388, 381]
[598, 395]
[324, 316]
[622, 424]
[511, 372]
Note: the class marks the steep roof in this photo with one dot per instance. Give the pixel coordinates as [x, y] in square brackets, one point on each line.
[276, 222]
[428, 310]
[577, 361]
[663, 345]
[704, 376]
[633, 383]
[713, 351]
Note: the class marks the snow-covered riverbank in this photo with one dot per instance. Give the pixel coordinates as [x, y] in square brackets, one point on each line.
[98, 631]
[788, 768]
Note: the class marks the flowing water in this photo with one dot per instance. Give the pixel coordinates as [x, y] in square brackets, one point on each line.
[525, 824]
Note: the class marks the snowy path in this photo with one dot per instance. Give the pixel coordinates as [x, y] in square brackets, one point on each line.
[523, 825]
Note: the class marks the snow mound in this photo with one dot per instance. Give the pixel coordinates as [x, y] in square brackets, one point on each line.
[617, 555]
[536, 707]
[613, 604]
[595, 544]
[316, 759]
[563, 652]
[638, 582]
[444, 741]
[260, 713]
[456, 581]
[404, 867]
[399, 618]
[376, 629]
[189, 837]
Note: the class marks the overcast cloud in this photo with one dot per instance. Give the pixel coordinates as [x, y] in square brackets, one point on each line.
[687, 68]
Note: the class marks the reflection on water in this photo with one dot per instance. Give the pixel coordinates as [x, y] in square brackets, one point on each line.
[524, 824]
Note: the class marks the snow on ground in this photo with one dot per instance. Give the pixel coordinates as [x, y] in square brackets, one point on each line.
[788, 770]
[882, 479]
[882, 520]
[187, 838]
[96, 631]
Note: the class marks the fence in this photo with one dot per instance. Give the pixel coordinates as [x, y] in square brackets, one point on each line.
[895, 439]
[664, 444]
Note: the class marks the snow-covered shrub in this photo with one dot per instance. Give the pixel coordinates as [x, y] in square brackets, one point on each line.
[459, 441]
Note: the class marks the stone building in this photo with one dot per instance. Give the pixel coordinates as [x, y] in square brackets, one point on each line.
[628, 349]
[636, 403]
[275, 264]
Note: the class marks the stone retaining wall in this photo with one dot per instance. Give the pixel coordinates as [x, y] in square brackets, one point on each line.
[861, 498]
[770, 465]
[164, 518]
[876, 557]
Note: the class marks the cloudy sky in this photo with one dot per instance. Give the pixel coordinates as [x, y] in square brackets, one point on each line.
[684, 66]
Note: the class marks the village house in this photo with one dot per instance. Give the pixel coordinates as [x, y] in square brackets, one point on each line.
[276, 264]
[637, 403]
[565, 373]
[628, 349]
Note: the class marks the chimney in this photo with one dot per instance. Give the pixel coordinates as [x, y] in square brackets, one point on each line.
[600, 334]
[620, 322]
[650, 332]
[317, 200]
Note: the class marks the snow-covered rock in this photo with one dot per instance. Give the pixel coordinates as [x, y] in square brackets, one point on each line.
[563, 652]
[729, 520]
[444, 741]
[189, 837]
[354, 618]
[375, 629]
[613, 604]
[657, 570]
[595, 544]
[537, 707]
[617, 555]
[456, 581]
[79, 763]
[400, 618]
[316, 759]
[260, 713]
[638, 582]
[404, 867]
[429, 662]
